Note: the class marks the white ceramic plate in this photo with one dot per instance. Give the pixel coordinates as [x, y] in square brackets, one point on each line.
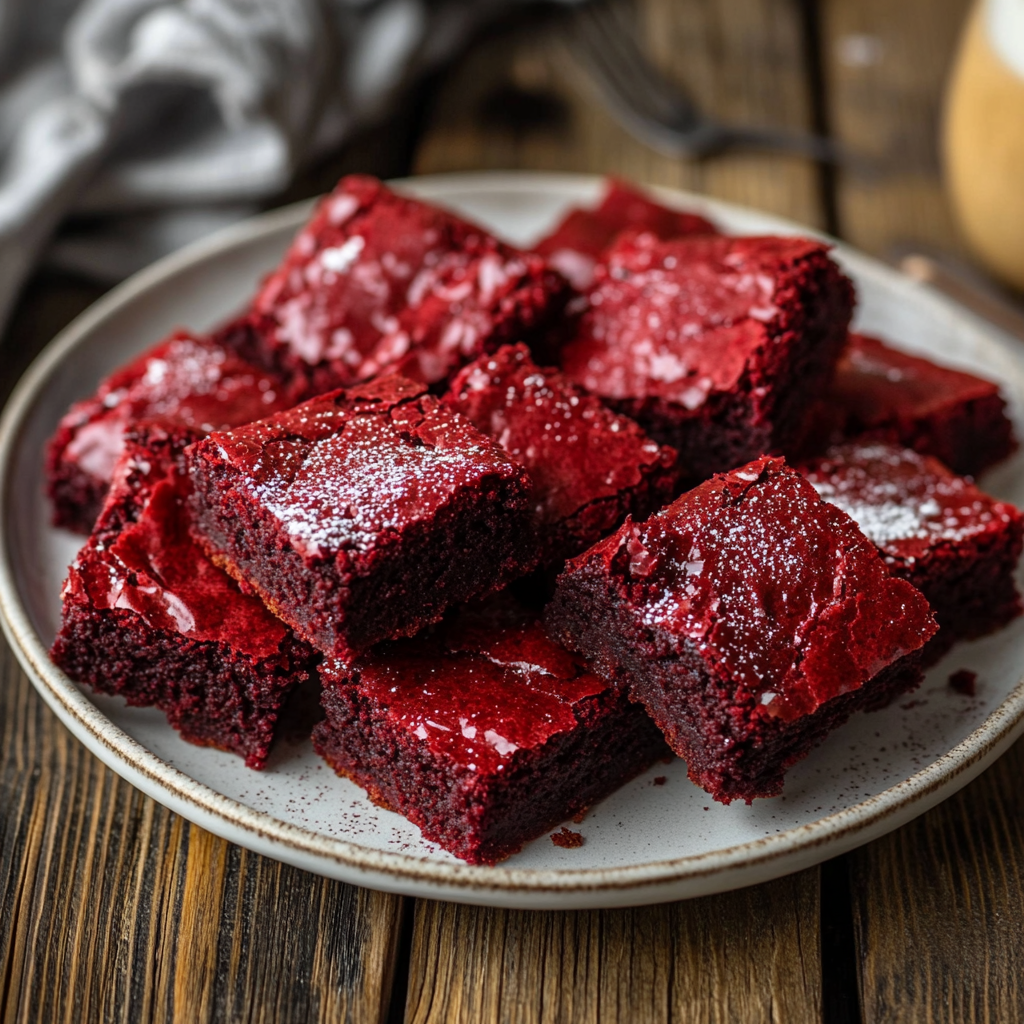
[645, 843]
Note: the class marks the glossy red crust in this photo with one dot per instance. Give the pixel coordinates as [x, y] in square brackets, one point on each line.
[148, 617]
[485, 734]
[589, 466]
[957, 545]
[188, 380]
[715, 345]
[582, 237]
[750, 617]
[882, 392]
[378, 282]
[362, 515]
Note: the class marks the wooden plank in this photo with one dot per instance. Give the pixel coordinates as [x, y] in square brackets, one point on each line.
[114, 909]
[518, 102]
[885, 65]
[939, 909]
[751, 955]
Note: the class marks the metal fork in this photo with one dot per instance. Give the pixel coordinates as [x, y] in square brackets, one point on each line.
[655, 109]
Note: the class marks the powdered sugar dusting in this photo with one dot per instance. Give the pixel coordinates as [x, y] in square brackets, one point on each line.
[902, 501]
[577, 450]
[377, 281]
[366, 483]
[188, 381]
[680, 319]
[344, 474]
[340, 259]
[748, 567]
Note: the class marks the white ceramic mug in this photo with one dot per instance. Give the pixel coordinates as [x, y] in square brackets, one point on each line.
[983, 136]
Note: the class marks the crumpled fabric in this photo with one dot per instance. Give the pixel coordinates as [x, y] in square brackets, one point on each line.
[165, 119]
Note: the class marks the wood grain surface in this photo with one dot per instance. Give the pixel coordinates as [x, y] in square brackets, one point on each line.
[939, 909]
[751, 955]
[520, 101]
[885, 64]
[114, 909]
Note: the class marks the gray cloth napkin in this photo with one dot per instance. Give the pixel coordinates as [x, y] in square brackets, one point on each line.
[168, 118]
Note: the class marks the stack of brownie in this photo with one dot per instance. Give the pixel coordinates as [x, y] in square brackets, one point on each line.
[527, 516]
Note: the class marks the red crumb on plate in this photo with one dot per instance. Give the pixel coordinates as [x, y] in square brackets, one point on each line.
[567, 839]
[964, 681]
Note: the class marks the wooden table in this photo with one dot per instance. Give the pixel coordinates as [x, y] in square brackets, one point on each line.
[112, 908]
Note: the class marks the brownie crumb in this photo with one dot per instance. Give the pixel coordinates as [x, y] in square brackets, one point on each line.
[660, 780]
[578, 818]
[964, 681]
[567, 839]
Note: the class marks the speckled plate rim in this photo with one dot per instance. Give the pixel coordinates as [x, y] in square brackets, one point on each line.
[656, 881]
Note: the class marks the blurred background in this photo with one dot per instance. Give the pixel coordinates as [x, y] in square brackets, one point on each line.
[128, 127]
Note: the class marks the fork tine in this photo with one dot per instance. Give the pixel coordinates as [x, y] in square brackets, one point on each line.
[612, 42]
[655, 108]
[629, 99]
[611, 74]
[590, 31]
[667, 96]
[690, 141]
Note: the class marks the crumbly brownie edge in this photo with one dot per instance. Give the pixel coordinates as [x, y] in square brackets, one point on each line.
[76, 496]
[212, 696]
[825, 301]
[152, 451]
[971, 586]
[534, 313]
[796, 362]
[485, 820]
[747, 767]
[730, 759]
[414, 577]
[969, 439]
[716, 437]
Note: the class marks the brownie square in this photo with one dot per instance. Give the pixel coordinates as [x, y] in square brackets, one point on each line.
[887, 394]
[589, 466]
[362, 515]
[750, 617]
[715, 345]
[957, 545]
[485, 734]
[148, 617]
[378, 282]
[188, 380]
[581, 238]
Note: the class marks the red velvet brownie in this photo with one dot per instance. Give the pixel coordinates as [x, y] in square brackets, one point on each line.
[362, 515]
[483, 733]
[955, 416]
[581, 238]
[188, 380]
[958, 546]
[590, 467]
[715, 345]
[750, 617]
[378, 282]
[148, 617]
